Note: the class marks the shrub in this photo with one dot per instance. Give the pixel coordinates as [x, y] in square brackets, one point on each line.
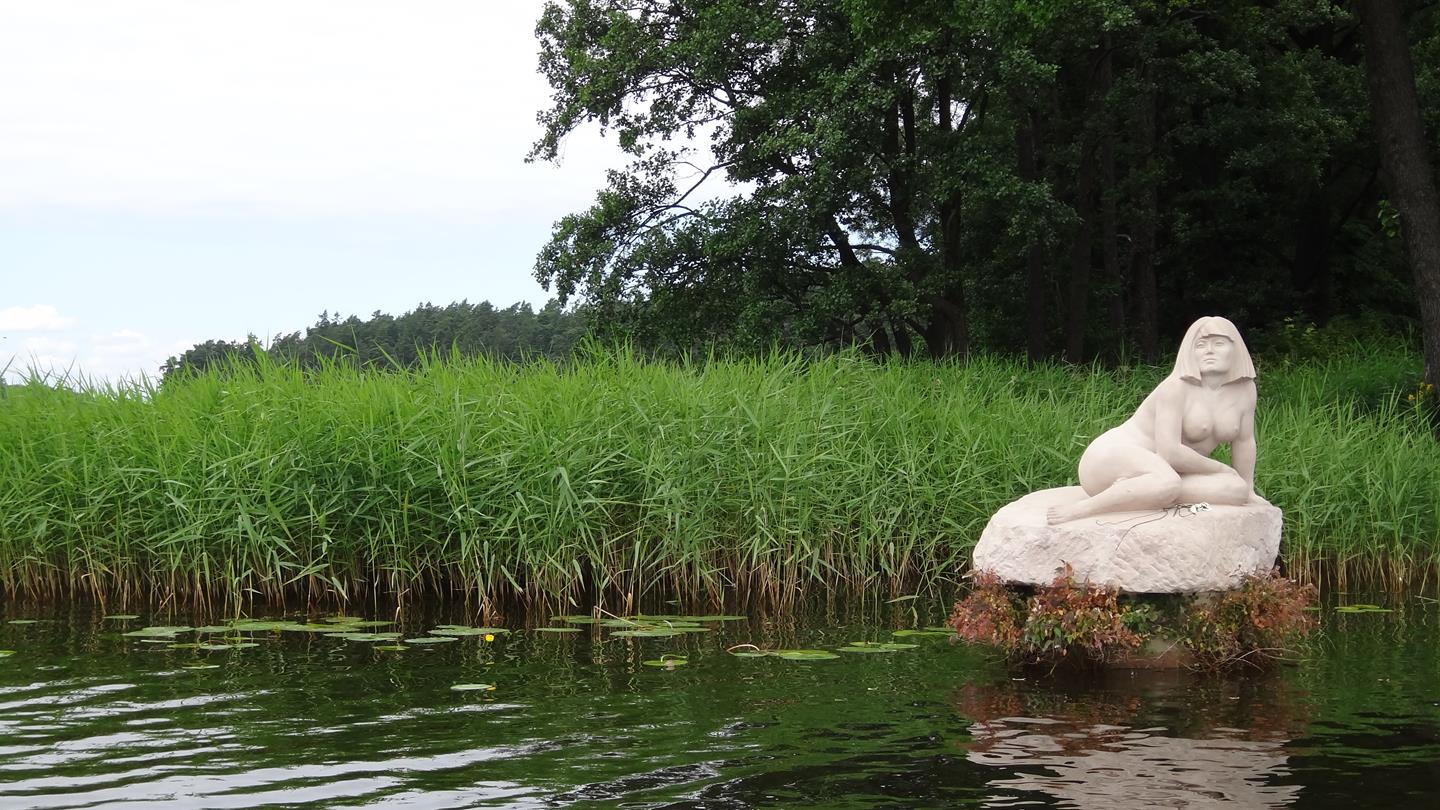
[1062, 621]
[988, 614]
[1256, 624]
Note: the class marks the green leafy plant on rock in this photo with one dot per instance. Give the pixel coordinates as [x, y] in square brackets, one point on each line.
[1256, 624]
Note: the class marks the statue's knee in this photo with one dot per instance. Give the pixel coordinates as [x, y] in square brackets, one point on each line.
[1169, 487]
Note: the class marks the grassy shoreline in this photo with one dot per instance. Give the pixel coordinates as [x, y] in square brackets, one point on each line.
[616, 479]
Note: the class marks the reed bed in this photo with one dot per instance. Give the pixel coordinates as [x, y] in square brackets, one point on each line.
[613, 480]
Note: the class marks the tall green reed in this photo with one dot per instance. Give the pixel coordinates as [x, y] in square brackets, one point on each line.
[613, 479]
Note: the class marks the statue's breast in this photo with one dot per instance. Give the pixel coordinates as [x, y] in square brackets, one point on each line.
[1207, 423]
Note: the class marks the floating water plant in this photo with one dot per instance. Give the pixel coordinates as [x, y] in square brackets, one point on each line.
[875, 647]
[648, 632]
[23, 621]
[667, 661]
[6, 653]
[473, 687]
[556, 629]
[1362, 608]
[159, 631]
[119, 617]
[752, 651]
[365, 636]
[431, 639]
[462, 630]
[199, 666]
[805, 655]
[929, 632]
[390, 647]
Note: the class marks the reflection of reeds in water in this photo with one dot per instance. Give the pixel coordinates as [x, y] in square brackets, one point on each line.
[612, 480]
[1121, 748]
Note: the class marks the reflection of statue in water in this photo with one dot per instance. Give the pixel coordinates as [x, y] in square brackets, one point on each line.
[1161, 456]
[1105, 748]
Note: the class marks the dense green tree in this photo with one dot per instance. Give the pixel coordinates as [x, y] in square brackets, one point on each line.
[514, 333]
[1075, 178]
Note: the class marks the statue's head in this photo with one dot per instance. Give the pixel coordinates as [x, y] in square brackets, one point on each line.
[1212, 345]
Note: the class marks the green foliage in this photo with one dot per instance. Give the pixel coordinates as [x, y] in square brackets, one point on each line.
[1256, 624]
[878, 195]
[616, 477]
[1259, 622]
[1081, 621]
[513, 333]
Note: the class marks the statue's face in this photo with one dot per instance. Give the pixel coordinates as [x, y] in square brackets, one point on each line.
[1214, 353]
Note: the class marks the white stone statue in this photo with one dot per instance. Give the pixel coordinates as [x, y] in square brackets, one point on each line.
[1123, 526]
[1161, 455]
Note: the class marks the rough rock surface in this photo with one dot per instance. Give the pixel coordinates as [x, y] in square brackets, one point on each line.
[1140, 552]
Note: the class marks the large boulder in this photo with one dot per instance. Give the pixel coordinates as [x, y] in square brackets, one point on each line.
[1174, 551]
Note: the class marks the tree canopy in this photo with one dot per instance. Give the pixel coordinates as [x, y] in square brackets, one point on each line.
[513, 333]
[1073, 179]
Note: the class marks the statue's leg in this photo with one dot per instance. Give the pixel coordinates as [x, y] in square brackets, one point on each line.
[1120, 478]
[1224, 487]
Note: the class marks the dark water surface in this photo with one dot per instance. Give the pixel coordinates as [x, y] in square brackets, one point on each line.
[90, 718]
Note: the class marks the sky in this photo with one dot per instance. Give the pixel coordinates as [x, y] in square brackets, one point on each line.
[174, 171]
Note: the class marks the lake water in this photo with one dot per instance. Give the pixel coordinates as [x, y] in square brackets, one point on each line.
[95, 719]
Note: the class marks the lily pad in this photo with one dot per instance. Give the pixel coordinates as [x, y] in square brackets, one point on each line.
[390, 647]
[473, 687]
[875, 647]
[120, 617]
[215, 629]
[6, 653]
[296, 627]
[199, 666]
[1362, 609]
[259, 626]
[23, 621]
[159, 631]
[460, 630]
[365, 636]
[363, 623]
[242, 645]
[556, 629]
[430, 639]
[805, 655]
[574, 619]
[651, 632]
[924, 633]
[666, 662]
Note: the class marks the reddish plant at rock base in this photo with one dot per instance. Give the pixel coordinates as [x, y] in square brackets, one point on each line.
[1067, 619]
[1256, 623]
[988, 614]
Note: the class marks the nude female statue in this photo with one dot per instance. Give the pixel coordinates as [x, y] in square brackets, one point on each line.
[1161, 456]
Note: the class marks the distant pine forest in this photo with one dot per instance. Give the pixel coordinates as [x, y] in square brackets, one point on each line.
[514, 333]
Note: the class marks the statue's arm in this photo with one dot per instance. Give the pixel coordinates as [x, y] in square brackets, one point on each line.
[1169, 413]
[1242, 450]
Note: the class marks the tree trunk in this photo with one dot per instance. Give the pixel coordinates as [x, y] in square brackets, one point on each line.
[947, 333]
[1404, 159]
[1028, 169]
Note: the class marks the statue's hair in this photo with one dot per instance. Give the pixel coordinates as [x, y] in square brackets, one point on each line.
[1188, 369]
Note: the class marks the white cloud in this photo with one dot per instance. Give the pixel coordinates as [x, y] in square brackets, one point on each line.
[41, 317]
[272, 105]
